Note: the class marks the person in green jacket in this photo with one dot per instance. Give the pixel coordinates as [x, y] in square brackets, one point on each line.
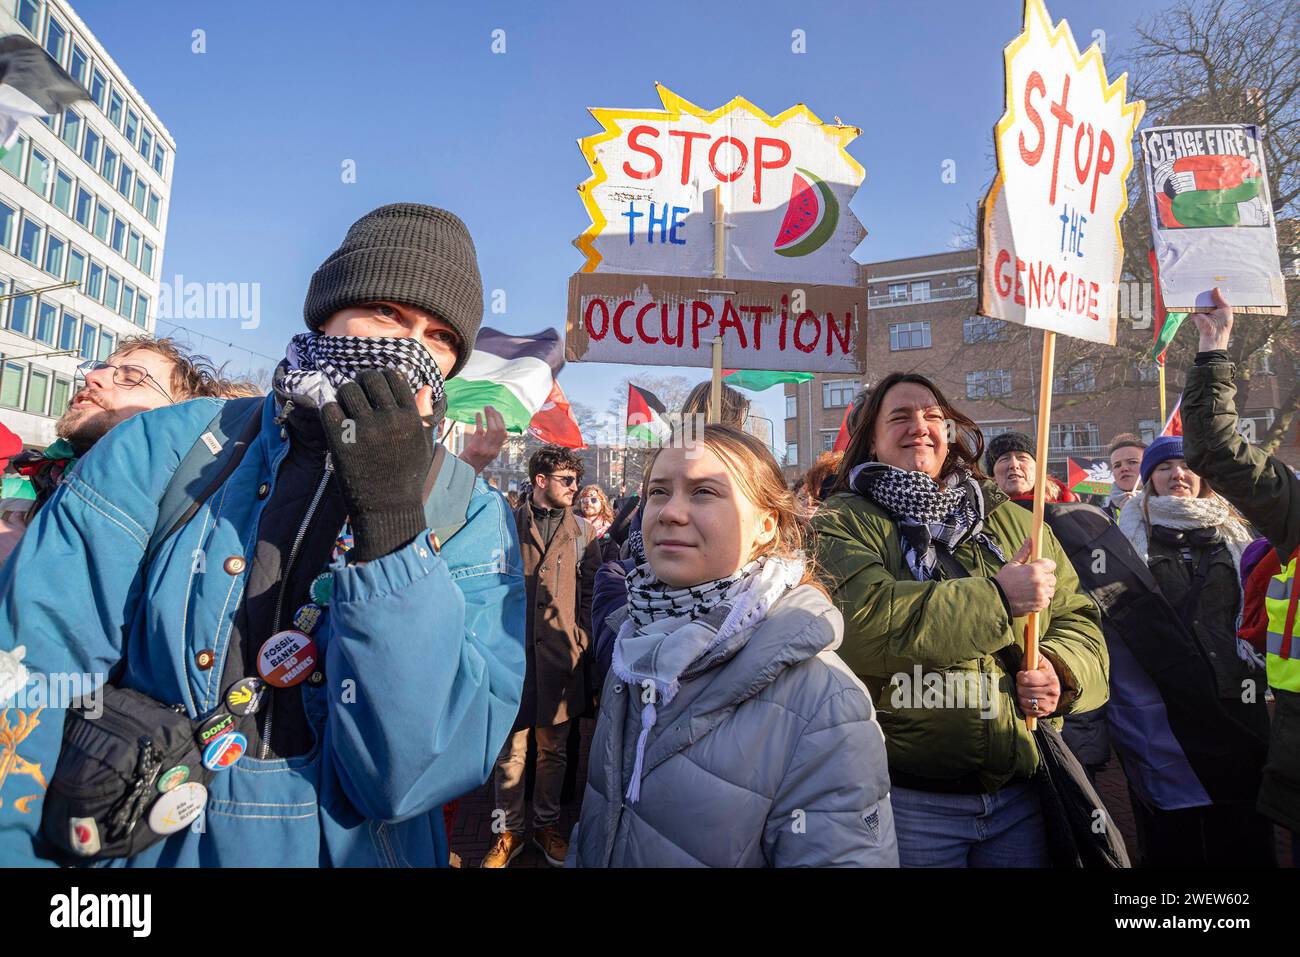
[928, 562]
[1266, 491]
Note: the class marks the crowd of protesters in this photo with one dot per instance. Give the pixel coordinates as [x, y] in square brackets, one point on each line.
[347, 624]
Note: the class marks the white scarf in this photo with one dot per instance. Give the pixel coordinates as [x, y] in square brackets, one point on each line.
[1183, 513]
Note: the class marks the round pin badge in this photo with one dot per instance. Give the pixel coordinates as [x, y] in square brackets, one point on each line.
[177, 808]
[214, 727]
[286, 658]
[245, 696]
[173, 778]
[224, 751]
[307, 617]
[322, 588]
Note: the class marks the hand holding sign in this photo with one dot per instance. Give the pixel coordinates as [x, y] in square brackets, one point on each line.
[1215, 325]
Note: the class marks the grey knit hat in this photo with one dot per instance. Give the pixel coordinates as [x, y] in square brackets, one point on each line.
[406, 253]
[1000, 445]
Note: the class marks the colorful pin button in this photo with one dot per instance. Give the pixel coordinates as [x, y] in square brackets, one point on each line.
[214, 727]
[178, 808]
[225, 751]
[344, 542]
[173, 778]
[245, 696]
[307, 617]
[322, 588]
[287, 658]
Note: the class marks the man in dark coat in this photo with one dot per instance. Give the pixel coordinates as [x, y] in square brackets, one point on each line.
[561, 554]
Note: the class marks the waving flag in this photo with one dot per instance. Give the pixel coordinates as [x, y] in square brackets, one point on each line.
[513, 374]
[757, 381]
[645, 417]
[31, 84]
[554, 422]
[1166, 323]
[1175, 424]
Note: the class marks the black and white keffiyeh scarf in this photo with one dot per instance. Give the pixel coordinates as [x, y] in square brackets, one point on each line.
[926, 512]
[315, 365]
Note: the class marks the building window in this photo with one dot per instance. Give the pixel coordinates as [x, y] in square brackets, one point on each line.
[76, 265]
[1148, 371]
[112, 289]
[90, 148]
[127, 308]
[20, 314]
[124, 180]
[791, 406]
[103, 219]
[8, 222]
[29, 15]
[1075, 438]
[56, 39]
[909, 335]
[29, 241]
[115, 109]
[13, 158]
[78, 64]
[72, 129]
[141, 195]
[68, 332]
[54, 250]
[983, 329]
[59, 396]
[95, 281]
[98, 89]
[141, 309]
[105, 345]
[89, 335]
[152, 213]
[1077, 378]
[85, 204]
[38, 173]
[159, 158]
[63, 192]
[108, 169]
[38, 390]
[11, 385]
[47, 322]
[1148, 429]
[146, 259]
[791, 453]
[898, 292]
[132, 126]
[921, 290]
[146, 144]
[119, 237]
[133, 248]
[837, 393]
[828, 439]
[988, 383]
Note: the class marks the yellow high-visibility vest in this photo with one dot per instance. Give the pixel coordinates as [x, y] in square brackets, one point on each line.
[1283, 645]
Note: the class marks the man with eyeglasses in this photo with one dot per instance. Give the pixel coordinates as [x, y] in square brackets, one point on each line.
[349, 652]
[143, 374]
[560, 554]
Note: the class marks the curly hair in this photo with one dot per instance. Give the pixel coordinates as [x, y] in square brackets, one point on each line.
[551, 458]
[193, 376]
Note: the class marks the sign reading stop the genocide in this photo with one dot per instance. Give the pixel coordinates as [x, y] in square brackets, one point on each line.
[1051, 251]
[785, 183]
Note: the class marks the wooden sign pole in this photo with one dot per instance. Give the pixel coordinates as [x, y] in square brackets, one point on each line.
[1045, 382]
[1162, 395]
[719, 271]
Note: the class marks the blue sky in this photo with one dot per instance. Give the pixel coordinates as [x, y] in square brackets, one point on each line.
[411, 91]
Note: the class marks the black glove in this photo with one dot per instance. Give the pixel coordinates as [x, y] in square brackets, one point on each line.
[382, 458]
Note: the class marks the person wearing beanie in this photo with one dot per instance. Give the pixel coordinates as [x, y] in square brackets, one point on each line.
[1010, 460]
[336, 595]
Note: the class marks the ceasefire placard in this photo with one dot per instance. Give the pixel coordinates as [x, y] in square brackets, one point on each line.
[1051, 250]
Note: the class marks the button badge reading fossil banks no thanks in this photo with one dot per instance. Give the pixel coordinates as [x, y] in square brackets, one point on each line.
[286, 658]
[177, 808]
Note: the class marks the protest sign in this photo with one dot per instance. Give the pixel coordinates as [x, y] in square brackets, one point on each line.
[672, 321]
[1051, 251]
[1212, 221]
[1088, 476]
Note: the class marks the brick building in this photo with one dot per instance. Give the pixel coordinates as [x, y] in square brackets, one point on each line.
[922, 318]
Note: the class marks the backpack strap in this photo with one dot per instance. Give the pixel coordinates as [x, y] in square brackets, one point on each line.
[447, 490]
[209, 462]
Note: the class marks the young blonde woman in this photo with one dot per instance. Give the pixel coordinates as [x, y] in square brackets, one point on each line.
[592, 505]
[730, 734]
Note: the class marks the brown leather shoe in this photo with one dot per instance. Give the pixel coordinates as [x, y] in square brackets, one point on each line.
[508, 846]
[552, 844]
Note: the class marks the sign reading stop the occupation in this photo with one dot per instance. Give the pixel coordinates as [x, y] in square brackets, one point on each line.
[1051, 251]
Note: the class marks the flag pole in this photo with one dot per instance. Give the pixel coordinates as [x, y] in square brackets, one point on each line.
[719, 271]
[1040, 495]
[1162, 391]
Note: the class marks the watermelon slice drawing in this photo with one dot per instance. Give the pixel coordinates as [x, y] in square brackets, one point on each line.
[810, 217]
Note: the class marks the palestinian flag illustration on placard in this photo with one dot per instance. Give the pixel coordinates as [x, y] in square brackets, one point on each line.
[1210, 190]
[1089, 476]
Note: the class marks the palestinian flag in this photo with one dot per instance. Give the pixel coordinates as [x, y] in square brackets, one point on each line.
[31, 84]
[554, 422]
[1166, 324]
[842, 438]
[645, 418]
[758, 381]
[1088, 476]
[513, 374]
[1175, 424]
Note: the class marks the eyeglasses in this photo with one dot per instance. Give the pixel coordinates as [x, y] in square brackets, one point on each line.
[127, 376]
[568, 481]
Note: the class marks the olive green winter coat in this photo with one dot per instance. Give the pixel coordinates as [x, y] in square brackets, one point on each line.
[928, 651]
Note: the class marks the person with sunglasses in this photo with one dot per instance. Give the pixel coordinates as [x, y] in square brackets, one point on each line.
[143, 374]
[561, 553]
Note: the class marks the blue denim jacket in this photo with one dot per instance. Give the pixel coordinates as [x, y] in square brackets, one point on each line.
[423, 656]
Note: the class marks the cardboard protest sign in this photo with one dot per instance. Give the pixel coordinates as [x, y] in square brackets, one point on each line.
[672, 321]
[1212, 220]
[1051, 251]
[1088, 476]
[785, 184]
